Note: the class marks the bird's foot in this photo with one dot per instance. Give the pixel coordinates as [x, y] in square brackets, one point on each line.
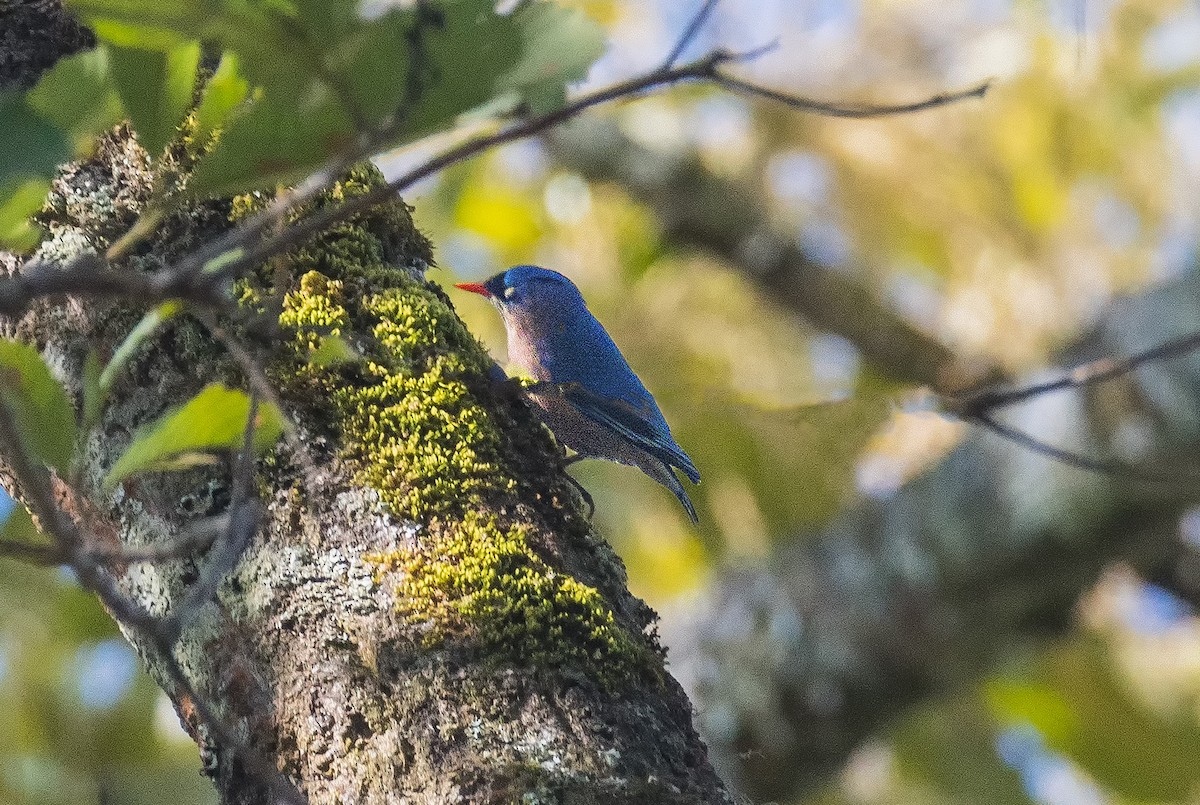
[550, 387]
[583, 493]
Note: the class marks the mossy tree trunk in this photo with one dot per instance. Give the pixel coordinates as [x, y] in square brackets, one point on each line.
[426, 617]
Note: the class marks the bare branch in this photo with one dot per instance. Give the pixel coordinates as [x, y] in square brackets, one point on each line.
[689, 33]
[189, 280]
[197, 537]
[740, 86]
[46, 555]
[1098, 371]
[1113, 469]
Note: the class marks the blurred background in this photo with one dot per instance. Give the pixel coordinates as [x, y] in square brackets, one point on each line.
[1002, 229]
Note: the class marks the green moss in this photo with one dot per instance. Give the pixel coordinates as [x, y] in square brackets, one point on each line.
[485, 583]
[417, 433]
[416, 422]
[315, 309]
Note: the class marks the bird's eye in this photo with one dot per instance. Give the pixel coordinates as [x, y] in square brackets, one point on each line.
[509, 293]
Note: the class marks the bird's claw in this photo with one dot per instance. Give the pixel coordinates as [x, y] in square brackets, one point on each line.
[583, 493]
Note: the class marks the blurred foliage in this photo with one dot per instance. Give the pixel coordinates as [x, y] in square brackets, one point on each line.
[82, 724]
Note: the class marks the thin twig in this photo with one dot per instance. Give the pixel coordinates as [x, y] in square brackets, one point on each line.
[1088, 374]
[39, 496]
[689, 33]
[1114, 469]
[980, 406]
[197, 537]
[244, 516]
[188, 280]
[44, 555]
[857, 111]
[704, 68]
[193, 540]
[256, 376]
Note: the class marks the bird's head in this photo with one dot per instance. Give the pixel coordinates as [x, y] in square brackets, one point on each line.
[527, 289]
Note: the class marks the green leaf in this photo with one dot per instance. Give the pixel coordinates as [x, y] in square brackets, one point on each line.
[1125, 745]
[949, 746]
[30, 146]
[277, 141]
[560, 45]
[365, 76]
[333, 350]
[31, 149]
[18, 526]
[463, 59]
[223, 93]
[261, 32]
[156, 88]
[17, 232]
[149, 24]
[322, 75]
[42, 414]
[215, 419]
[78, 95]
[129, 346]
[334, 20]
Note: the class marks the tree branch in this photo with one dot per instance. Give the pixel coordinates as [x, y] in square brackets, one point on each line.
[203, 277]
[698, 209]
[977, 560]
[689, 34]
[741, 87]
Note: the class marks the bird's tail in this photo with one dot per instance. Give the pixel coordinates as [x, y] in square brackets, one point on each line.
[662, 472]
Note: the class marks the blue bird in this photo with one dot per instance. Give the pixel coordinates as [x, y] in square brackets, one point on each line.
[585, 391]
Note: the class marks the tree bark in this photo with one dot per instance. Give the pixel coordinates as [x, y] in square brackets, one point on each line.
[427, 617]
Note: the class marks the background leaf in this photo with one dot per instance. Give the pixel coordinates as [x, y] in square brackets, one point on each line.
[151, 24]
[560, 45]
[1121, 742]
[156, 88]
[42, 413]
[31, 149]
[224, 92]
[78, 95]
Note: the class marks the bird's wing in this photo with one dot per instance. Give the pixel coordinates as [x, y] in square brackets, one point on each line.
[630, 422]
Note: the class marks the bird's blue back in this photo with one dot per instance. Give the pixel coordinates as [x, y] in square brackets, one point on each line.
[598, 406]
[572, 346]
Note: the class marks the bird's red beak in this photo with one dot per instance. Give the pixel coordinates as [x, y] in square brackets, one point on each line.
[474, 287]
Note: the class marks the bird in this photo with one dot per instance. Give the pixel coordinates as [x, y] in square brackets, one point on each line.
[583, 389]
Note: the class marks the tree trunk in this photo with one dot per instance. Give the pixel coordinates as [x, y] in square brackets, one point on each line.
[426, 616]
